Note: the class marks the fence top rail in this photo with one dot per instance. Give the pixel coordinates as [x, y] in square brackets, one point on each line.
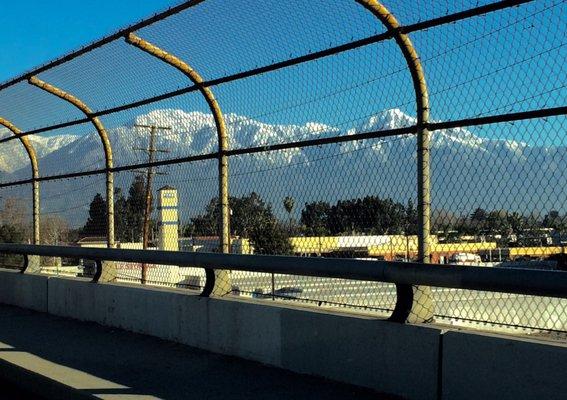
[494, 279]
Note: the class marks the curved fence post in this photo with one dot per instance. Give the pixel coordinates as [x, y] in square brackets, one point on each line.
[422, 308]
[32, 264]
[222, 283]
[35, 175]
[105, 271]
[404, 303]
[105, 143]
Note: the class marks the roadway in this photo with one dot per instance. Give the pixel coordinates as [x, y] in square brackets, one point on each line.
[502, 312]
[50, 357]
[498, 311]
[15, 392]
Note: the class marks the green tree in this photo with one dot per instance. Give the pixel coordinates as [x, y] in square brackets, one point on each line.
[444, 220]
[497, 221]
[270, 238]
[121, 216]
[11, 234]
[251, 218]
[135, 206]
[248, 213]
[555, 221]
[315, 218]
[128, 213]
[205, 224]
[516, 221]
[370, 215]
[533, 221]
[477, 221]
[97, 222]
[411, 219]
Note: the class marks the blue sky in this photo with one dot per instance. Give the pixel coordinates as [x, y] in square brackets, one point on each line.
[36, 31]
[510, 60]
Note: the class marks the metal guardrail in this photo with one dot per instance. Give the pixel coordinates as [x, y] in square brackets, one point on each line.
[403, 274]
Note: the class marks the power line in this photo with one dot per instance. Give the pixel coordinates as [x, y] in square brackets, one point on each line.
[151, 150]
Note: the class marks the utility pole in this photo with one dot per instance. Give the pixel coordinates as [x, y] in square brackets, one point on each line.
[151, 150]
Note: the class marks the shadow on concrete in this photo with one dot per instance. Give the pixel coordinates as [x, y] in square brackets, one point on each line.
[89, 360]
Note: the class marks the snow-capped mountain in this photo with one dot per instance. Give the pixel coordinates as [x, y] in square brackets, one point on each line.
[14, 157]
[468, 170]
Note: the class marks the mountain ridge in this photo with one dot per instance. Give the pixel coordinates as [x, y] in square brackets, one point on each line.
[468, 171]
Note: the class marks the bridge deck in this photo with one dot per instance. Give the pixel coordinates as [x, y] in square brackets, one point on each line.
[55, 357]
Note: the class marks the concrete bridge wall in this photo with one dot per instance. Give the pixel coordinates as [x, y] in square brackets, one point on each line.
[23, 290]
[483, 366]
[412, 361]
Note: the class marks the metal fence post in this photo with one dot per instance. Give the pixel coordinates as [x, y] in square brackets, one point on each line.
[105, 143]
[222, 278]
[105, 271]
[422, 309]
[35, 175]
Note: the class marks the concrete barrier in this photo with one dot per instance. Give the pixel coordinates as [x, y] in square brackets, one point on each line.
[23, 290]
[232, 327]
[411, 361]
[388, 357]
[482, 366]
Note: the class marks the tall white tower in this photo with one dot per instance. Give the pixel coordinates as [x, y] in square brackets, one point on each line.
[168, 218]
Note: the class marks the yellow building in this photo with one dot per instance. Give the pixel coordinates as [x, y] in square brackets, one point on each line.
[388, 247]
[168, 218]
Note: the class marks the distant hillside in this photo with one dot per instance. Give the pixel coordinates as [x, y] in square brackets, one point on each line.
[468, 171]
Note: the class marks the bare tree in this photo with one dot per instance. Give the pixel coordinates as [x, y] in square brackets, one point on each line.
[54, 230]
[14, 213]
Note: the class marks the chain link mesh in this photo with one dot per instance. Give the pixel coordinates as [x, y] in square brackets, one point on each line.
[320, 115]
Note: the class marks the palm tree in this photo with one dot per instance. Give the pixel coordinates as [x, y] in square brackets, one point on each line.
[289, 203]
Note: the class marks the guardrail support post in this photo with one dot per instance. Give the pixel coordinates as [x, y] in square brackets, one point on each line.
[105, 271]
[32, 264]
[222, 283]
[422, 308]
[35, 81]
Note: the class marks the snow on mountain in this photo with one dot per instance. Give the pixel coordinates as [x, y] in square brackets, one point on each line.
[12, 153]
[468, 171]
[195, 133]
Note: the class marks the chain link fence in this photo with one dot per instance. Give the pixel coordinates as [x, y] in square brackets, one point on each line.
[430, 131]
